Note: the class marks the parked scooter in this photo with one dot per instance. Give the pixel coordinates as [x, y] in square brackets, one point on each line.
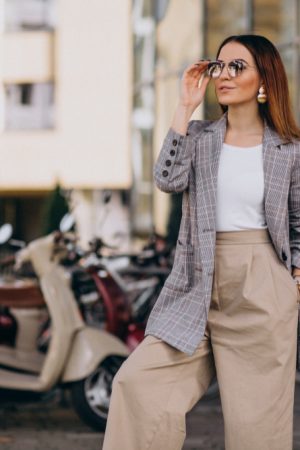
[79, 357]
[116, 291]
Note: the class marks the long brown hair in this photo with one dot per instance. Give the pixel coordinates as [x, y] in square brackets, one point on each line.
[277, 111]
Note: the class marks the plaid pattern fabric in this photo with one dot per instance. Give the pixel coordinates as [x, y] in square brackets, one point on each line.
[298, 342]
[189, 164]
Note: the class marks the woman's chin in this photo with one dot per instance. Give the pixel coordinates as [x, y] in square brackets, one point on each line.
[223, 103]
[225, 100]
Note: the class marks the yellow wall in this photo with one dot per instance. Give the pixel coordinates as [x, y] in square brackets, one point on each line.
[90, 145]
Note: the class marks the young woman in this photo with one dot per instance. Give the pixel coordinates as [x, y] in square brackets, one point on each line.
[230, 304]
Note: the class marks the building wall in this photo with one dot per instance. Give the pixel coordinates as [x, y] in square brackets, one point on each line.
[84, 56]
[90, 66]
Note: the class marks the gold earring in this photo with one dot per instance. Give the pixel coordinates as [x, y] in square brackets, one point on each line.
[261, 96]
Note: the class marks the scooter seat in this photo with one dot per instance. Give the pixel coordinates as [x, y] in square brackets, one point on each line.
[21, 294]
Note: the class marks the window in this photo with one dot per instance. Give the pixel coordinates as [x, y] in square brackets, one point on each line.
[29, 106]
[29, 15]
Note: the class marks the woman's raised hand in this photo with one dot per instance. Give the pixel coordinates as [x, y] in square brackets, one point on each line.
[192, 91]
[193, 85]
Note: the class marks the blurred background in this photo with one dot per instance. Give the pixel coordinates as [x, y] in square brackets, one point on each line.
[87, 93]
[88, 90]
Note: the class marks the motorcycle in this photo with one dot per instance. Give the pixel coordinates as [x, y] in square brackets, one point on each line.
[80, 358]
[117, 291]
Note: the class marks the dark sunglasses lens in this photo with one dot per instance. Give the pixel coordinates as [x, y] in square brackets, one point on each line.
[214, 70]
[235, 68]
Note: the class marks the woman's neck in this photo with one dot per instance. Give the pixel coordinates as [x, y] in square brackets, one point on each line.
[244, 120]
[245, 126]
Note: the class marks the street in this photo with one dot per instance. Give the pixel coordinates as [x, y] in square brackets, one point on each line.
[52, 425]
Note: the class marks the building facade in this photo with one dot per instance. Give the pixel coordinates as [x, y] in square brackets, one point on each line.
[65, 105]
[87, 95]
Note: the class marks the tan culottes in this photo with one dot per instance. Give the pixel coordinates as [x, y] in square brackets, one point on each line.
[250, 342]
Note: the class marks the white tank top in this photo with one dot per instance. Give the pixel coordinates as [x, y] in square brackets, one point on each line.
[240, 189]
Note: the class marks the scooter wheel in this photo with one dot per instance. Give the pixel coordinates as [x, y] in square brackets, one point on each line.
[91, 396]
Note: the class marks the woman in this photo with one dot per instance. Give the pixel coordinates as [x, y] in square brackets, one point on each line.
[230, 304]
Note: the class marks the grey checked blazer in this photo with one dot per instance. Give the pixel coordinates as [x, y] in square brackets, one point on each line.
[190, 164]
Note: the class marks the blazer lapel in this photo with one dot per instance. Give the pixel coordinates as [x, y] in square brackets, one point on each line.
[216, 135]
[211, 146]
[272, 165]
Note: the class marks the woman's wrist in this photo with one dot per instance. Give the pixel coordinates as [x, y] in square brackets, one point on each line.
[181, 118]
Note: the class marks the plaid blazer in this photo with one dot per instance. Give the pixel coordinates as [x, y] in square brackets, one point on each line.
[189, 164]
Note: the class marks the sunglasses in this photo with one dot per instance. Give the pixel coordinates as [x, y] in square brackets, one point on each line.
[234, 68]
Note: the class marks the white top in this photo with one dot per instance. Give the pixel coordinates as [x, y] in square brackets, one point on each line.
[240, 189]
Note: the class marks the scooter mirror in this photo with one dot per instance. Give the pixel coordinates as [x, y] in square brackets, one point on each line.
[6, 231]
[66, 223]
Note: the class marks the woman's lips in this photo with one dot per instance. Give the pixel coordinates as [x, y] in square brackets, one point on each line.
[225, 88]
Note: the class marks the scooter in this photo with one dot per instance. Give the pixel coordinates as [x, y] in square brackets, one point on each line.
[116, 291]
[80, 358]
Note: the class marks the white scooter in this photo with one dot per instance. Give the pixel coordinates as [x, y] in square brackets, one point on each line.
[79, 357]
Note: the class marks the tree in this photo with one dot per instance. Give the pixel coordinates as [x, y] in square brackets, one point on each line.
[55, 207]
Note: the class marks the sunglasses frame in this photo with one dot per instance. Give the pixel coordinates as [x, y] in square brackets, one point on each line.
[238, 65]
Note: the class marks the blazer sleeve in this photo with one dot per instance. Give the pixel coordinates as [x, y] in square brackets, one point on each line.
[171, 170]
[294, 210]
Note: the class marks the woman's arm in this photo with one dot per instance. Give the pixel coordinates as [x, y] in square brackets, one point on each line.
[171, 171]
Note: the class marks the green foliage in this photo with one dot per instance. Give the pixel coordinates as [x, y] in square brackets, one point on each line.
[55, 207]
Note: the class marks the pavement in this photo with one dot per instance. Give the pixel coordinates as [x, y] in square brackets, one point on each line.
[51, 424]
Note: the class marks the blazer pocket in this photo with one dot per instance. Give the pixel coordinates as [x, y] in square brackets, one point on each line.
[181, 276]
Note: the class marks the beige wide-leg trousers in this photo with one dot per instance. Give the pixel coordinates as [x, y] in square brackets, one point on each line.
[250, 342]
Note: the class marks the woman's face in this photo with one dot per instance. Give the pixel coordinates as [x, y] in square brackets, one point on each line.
[243, 88]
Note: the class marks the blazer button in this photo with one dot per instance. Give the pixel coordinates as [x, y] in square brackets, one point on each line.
[284, 257]
[168, 163]
[165, 173]
[175, 142]
[172, 152]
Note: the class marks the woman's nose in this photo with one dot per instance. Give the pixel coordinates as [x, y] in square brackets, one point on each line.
[224, 75]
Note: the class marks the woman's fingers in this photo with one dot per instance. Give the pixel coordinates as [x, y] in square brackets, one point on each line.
[203, 84]
[196, 71]
[198, 67]
[194, 82]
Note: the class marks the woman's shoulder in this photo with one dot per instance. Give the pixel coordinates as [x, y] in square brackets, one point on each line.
[294, 147]
[294, 144]
[196, 127]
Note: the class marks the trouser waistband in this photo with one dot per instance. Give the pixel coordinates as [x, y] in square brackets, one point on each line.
[256, 236]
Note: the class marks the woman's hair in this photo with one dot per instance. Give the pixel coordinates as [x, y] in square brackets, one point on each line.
[277, 111]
